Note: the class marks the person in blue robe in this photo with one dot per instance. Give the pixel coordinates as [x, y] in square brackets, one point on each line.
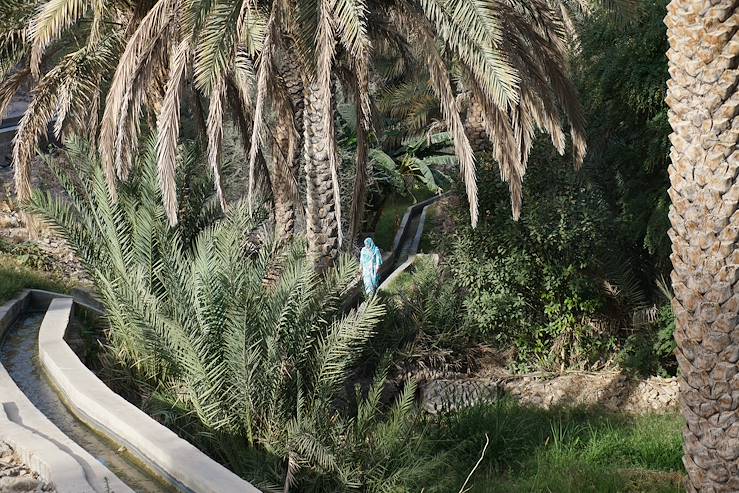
[371, 260]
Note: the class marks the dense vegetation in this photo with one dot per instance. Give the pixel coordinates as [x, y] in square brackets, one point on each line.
[579, 280]
[220, 324]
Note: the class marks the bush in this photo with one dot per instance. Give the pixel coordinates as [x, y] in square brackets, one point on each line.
[651, 351]
[534, 284]
[14, 277]
[244, 343]
[426, 324]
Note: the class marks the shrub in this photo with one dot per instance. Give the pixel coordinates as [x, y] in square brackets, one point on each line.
[533, 284]
[241, 336]
[426, 324]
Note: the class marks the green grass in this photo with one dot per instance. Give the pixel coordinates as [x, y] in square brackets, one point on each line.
[534, 450]
[15, 277]
[426, 245]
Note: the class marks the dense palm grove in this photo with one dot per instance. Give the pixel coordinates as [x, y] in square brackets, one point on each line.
[221, 160]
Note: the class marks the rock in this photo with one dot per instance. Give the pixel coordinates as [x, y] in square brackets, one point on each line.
[609, 390]
[19, 484]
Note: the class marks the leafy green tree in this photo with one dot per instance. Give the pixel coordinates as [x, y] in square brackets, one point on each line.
[422, 161]
[622, 75]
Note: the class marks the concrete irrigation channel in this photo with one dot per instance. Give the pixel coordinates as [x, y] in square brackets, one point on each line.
[405, 247]
[19, 355]
[71, 429]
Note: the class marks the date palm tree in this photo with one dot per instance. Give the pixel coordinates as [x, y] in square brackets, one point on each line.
[703, 102]
[511, 57]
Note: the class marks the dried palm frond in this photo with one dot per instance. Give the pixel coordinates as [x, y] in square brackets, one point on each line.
[125, 94]
[215, 135]
[168, 129]
[441, 83]
[264, 74]
[52, 19]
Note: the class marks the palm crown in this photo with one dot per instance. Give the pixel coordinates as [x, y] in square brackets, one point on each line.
[509, 59]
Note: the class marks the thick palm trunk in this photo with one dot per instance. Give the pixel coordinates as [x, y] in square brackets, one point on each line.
[287, 208]
[263, 181]
[359, 194]
[322, 226]
[703, 101]
[474, 127]
[283, 191]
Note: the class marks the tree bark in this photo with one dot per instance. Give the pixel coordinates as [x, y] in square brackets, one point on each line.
[287, 209]
[198, 113]
[359, 195]
[474, 127]
[285, 205]
[263, 184]
[703, 101]
[322, 226]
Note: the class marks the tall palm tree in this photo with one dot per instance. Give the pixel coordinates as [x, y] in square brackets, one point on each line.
[703, 102]
[511, 56]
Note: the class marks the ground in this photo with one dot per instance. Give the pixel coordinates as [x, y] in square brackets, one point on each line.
[16, 477]
[43, 263]
[537, 444]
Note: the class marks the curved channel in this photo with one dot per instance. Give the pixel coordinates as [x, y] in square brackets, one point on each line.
[19, 356]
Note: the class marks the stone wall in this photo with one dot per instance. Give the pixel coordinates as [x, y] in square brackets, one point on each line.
[612, 391]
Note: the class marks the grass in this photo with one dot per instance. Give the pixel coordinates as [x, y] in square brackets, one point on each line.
[534, 450]
[426, 245]
[389, 222]
[14, 277]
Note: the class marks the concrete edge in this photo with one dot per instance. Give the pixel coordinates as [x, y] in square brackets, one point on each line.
[40, 432]
[42, 456]
[175, 459]
[413, 250]
[11, 309]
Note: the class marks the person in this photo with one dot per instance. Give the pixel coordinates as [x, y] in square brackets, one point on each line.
[371, 260]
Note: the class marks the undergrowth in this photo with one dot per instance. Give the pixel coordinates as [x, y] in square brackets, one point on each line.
[561, 450]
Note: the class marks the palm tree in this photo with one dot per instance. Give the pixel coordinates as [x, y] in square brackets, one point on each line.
[703, 104]
[39, 48]
[256, 364]
[510, 55]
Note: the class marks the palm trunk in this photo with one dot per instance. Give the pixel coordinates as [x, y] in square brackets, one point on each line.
[703, 101]
[322, 227]
[359, 195]
[263, 182]
[198, 113]
[474, 127]
[285, 206]
[287, 209]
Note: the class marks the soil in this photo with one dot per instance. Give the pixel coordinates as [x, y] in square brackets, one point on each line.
[12, 230]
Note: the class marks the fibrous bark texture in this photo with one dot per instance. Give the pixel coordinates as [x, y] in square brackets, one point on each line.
[322, 226]
[703, 100]
[474, 127]
[287, 206]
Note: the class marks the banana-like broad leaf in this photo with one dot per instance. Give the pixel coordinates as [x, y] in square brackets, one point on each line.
[388, 168]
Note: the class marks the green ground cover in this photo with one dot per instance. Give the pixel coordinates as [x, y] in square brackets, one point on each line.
[535, 450]
[392, 214]
[15, 277]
